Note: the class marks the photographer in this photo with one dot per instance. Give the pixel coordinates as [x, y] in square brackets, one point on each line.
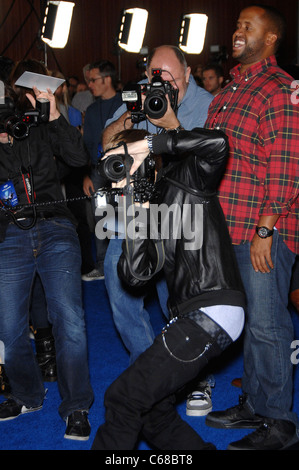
[38, 236]
[206, 299]
[129, 313]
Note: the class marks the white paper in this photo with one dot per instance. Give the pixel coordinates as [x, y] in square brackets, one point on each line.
[42, 82]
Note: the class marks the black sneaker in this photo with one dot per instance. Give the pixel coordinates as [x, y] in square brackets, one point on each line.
[10, 409]
[237, 417]
[77, 426]
[273, 434]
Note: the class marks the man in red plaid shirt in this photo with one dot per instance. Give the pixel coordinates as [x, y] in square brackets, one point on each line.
[259, 196]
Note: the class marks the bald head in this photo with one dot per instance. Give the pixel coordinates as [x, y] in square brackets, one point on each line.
[172, 62]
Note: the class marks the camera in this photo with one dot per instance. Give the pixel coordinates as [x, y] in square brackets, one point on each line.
[115, 166]
[155, 103]
[18, 125]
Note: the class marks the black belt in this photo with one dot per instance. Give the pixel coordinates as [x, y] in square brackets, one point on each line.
[212, 328]
[39, 215]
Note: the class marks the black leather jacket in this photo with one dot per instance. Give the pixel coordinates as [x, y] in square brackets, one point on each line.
[204, 273]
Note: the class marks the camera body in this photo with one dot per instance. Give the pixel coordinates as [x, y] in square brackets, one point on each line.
[18, 125]
[155, 103]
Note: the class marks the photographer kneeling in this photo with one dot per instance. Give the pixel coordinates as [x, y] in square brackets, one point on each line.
[206, 299]
[38, 235]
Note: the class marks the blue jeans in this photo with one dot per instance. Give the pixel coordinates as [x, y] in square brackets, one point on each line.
[269, 333]
[129, 314]
[51, 249]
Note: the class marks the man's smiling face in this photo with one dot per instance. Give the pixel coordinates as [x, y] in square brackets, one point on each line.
[250, 40]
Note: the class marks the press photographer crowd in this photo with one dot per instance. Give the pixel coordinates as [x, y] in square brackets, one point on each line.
[184, 186]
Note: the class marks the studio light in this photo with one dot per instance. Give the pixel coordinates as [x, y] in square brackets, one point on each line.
[193, 33]
[57, 22]
[132, 29]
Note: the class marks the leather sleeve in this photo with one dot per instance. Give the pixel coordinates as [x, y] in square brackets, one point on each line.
[205, 143]
[137, 262]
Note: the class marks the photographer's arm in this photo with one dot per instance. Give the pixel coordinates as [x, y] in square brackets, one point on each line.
[203, 142]
[123, 122]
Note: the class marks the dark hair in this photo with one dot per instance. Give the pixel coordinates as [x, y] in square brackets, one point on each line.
[106, 69]
[178, 52]
[28, 65]
[129, 135]
[216, 67]
[276, 20]
[6, 65]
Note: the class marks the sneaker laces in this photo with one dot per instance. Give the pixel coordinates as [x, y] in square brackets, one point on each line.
[200, 394]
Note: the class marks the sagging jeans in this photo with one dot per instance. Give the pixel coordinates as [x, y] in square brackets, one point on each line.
[142, 397]
[130, 316]
[51, 248]
[269, 332]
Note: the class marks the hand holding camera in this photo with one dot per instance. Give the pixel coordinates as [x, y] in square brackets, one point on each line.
[137, 150]
[42, 98]
[130, 160]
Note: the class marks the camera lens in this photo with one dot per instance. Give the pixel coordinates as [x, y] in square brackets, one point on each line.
[113, 168]
[16, 128]
[117, 168]
[155, 105]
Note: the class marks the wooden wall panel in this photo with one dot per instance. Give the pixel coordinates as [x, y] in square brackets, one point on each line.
[95, 23]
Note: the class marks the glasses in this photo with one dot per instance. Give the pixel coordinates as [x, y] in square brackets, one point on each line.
[92, 80]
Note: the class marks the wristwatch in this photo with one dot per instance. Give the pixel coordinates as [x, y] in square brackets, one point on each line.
[149, 139]
[178, 129]
[264, 232]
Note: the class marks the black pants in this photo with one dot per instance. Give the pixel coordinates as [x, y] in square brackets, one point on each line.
[141, 399]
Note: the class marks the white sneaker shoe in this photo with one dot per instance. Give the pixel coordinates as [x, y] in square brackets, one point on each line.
[199, 402]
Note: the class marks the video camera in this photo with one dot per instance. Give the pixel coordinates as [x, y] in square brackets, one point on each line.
[155, 104]
[18, 125]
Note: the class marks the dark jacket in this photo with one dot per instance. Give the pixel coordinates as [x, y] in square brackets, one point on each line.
[205, 273]
[41, 150]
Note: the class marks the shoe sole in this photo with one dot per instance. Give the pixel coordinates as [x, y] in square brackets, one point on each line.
[235, 425]
[9, 418]
[94, 279]
[76, 438]
[198, 412]
[293, 445]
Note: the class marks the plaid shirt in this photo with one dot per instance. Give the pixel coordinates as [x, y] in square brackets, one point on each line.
[257, 110]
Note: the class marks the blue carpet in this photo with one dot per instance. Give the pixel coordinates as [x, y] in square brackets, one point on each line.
[44, 430]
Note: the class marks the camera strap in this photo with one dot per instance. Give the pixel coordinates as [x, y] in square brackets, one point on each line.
[28, 182]
[130, 242]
